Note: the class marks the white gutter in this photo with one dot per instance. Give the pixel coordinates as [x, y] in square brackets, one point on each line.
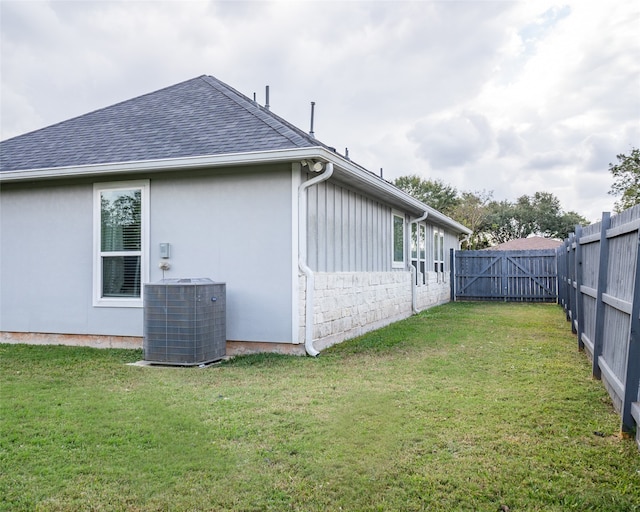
[166, 164]
[346, 169]
[414, 271]
[302, 256]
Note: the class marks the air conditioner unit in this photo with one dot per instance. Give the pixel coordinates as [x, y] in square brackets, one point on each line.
[184, 321]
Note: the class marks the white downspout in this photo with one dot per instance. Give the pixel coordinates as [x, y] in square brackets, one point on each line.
[302, 256]
[414, 284]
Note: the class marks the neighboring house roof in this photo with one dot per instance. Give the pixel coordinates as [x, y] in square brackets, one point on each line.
[200, 123]
[527, 244]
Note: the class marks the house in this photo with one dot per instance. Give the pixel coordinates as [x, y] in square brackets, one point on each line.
[313, 248]
[532, 243]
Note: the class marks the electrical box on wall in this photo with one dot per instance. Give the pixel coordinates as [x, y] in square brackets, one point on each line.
[165, 250]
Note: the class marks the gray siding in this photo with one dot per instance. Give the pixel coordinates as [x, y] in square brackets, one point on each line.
[46, 263]
[450, 242]
[234, 227]
[347, 232]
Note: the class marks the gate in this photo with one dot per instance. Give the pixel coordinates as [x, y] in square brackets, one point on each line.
[513, 276]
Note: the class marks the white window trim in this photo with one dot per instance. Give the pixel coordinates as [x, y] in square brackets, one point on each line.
[438, 254]
[419, 261]
[422, 257]
[116, 302]
[394, 263]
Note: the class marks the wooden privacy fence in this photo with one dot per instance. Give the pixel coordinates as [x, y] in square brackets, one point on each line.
[599, 288]
[513, 276]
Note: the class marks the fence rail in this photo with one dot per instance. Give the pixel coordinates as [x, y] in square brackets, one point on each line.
[510, 276]
[599, 288]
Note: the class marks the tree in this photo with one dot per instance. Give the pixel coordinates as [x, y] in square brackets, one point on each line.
[494, 222]
[502, 223]
[626, 174]
[435, 193]
[540, 214]
[568, 222]
[472, 211]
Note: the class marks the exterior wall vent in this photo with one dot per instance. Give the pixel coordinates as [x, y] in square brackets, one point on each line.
[184, 321]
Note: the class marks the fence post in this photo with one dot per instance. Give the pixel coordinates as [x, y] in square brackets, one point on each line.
[632, 378]
[579, 298]
[567, 279]
[572, 282]
[603, 265]
[504, 268]
[561, 254]
[559, 276]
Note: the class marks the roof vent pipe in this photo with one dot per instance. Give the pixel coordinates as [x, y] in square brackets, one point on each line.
[381, 172]
[254, 97]
[346, 153]
[313, 108]
[266, 105]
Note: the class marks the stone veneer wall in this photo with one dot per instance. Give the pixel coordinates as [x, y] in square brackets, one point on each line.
[348, 304]
[437, 290]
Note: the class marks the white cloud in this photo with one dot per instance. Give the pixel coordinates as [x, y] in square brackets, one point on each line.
[513, 97]
[453, 141]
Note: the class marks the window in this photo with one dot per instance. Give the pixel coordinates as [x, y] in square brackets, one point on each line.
[418, 251]
[422, 251]
[120, 230]
[398, 241]
[438, 250]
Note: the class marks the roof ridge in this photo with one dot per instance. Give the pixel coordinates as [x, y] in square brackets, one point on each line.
[267, 115]
[272, 120]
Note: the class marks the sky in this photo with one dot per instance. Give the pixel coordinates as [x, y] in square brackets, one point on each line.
[506, 97]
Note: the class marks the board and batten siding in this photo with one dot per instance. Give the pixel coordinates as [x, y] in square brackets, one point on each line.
[347, 232]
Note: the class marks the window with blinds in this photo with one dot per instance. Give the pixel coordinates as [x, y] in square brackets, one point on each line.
[120, 225]
[398, 241]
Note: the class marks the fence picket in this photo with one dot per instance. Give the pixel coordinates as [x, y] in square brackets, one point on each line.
[632, 374]
[505, 275]
[579, 323]
[599, 287]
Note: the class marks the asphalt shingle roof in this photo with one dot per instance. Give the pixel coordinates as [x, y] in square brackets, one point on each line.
[202, 116]
[527, 244]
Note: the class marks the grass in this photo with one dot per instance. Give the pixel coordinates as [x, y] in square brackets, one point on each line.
[468, 406]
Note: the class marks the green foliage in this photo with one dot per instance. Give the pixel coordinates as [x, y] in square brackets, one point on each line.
[473, 211]
[494, 222]
[435, 193]
[468, 406]
[539, 214]
[626, 174]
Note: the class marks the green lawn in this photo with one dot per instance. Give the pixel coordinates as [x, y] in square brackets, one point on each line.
[468, 406]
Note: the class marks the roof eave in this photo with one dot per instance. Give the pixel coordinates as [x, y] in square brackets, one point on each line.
[394, 195]
[169, 164]
[347, 170]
